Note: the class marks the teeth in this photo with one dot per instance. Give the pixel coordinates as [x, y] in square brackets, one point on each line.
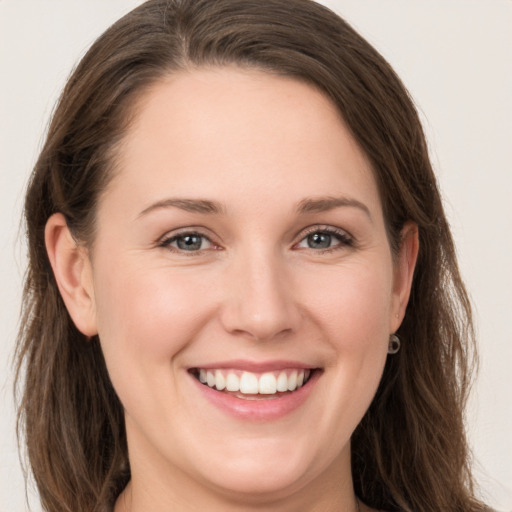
[249, 383]
[292, 381]
[267, 384]
[232, 382]
[220, 381]
[282, 382]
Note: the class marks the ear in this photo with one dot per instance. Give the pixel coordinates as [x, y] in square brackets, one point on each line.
[73, 272]
[403, 273]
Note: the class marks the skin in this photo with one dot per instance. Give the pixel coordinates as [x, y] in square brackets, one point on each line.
[256, 290]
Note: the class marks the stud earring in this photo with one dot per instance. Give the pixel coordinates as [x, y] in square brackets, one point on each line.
[394, 344]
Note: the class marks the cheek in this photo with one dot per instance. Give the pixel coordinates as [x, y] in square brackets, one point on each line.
[356, 320]
[353, 315]
[147, 314]
[352, 305]
[146, 317]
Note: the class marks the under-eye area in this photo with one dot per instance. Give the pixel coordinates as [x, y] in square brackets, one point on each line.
[246, 384]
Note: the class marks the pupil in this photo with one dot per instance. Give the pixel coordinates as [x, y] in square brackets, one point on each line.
[319, 241]
[189, 242]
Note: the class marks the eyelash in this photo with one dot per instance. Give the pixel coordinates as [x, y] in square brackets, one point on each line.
[342, 236]
[344, 239]
[166, 242]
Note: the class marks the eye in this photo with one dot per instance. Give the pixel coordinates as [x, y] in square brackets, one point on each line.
[189, 242]
[323, 239]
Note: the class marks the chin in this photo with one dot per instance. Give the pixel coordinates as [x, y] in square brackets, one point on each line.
[256, 486]
[267, 473]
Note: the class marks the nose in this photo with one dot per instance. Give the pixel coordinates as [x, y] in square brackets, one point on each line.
[259, 300]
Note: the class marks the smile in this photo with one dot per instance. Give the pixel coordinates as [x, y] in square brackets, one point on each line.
[255, 391]
[245, 384]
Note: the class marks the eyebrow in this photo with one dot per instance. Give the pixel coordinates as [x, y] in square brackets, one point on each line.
[206, 206]
[323, 204]
[189, 205]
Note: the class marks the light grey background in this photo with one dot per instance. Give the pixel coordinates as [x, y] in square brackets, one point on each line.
[453, 55]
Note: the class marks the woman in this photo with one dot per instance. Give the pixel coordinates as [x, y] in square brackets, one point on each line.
[242, 289]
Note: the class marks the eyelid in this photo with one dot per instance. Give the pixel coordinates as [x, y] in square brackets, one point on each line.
[166, 240]
[344, 237]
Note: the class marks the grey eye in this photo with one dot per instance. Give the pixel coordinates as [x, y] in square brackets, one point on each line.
[319, 241]
[326, 238]
[189, 242]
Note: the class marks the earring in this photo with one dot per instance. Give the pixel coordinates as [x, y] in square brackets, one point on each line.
[394, 344]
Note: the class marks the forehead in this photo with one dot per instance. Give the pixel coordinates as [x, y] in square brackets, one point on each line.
[216, 131]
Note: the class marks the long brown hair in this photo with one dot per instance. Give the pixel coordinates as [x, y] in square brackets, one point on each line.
[409, 453]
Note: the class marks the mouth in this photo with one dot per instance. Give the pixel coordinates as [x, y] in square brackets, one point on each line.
[249, 385]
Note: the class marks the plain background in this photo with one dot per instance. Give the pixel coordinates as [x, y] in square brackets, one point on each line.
[453, 55]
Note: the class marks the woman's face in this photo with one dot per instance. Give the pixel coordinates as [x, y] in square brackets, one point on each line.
[242, 242]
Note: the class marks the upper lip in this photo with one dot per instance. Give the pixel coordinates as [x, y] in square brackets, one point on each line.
[255, 366]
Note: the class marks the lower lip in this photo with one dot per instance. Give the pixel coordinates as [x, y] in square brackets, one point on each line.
[259, 409]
